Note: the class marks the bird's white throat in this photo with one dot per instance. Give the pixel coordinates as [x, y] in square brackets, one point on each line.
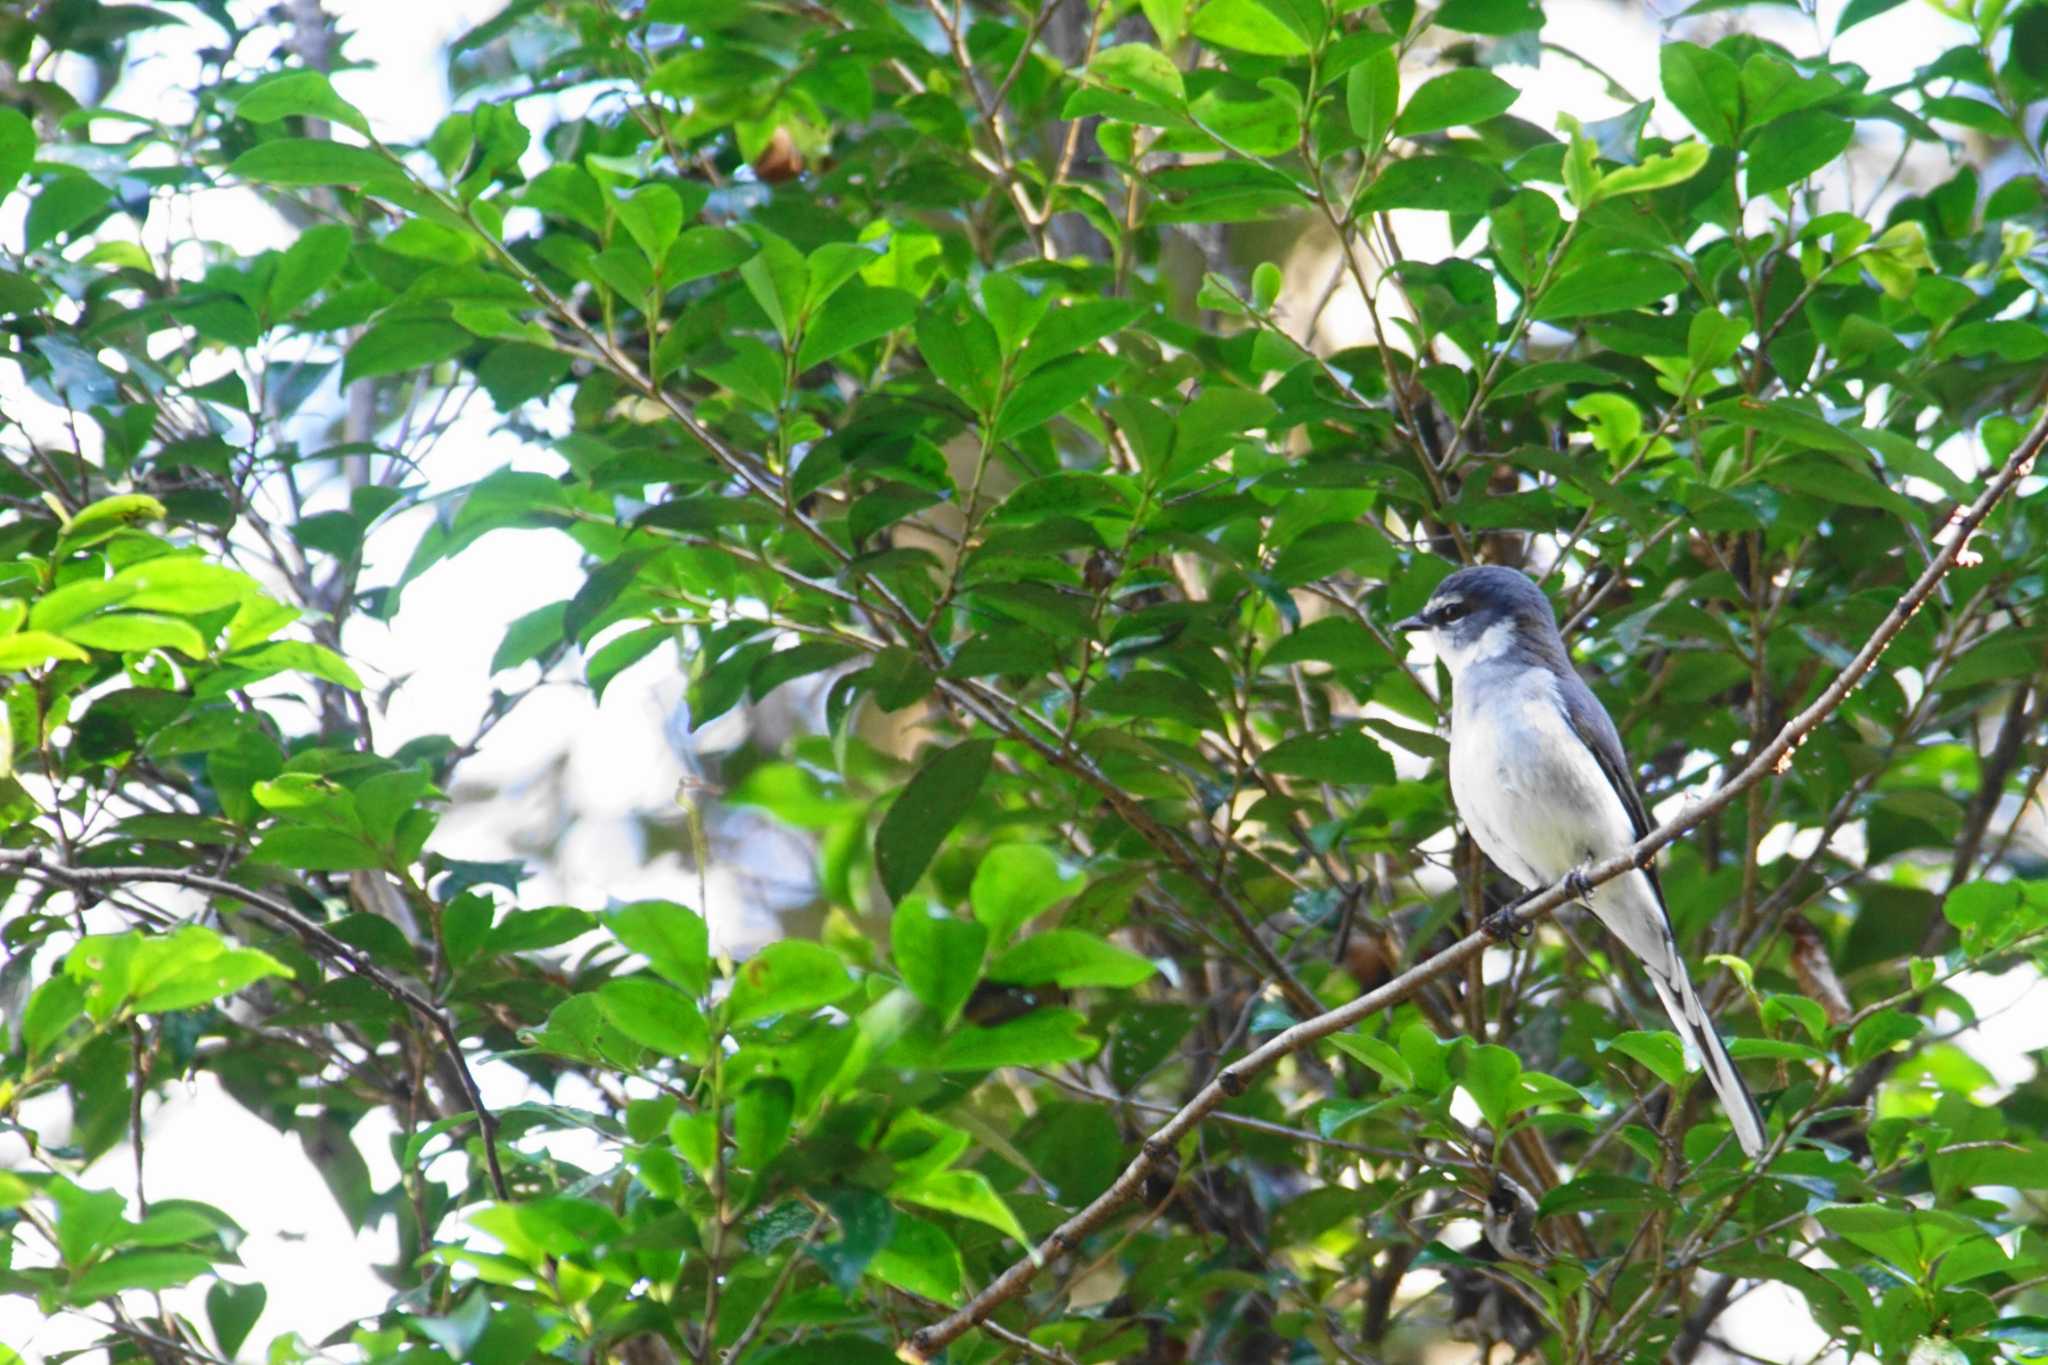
[1493, 642]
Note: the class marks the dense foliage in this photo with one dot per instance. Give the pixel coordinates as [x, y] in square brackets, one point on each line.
[993, 372]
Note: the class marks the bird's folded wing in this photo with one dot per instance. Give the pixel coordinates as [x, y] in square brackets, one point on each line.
[1589, 720]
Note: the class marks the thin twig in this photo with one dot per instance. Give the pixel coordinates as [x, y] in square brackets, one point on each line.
[33, 864]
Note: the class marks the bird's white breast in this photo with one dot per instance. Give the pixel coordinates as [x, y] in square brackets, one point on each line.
[1533, 795]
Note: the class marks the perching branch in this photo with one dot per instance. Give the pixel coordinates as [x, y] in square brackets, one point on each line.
[33, 864]
[1233, 1079]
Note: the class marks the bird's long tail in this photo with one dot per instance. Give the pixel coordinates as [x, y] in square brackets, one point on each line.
[1682, 1003]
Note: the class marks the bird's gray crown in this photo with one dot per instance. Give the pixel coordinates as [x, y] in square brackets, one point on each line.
[1488, 610]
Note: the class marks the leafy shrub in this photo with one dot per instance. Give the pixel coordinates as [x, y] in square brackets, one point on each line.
[987, 371]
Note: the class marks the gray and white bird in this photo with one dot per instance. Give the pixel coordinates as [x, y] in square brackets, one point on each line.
[1509, 1221]
[1538, 772]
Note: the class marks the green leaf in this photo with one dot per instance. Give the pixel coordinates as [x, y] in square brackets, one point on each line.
[176, 971]
[1448, 184]
[1793, 147]
[702, 251]
[1041, 1038]
[1615, 285]
[458, 1333]
[1879, 1034]
[778, 279]
[940, 957]
[830, 267]
[1911, 1240]
[921, 1259]
[314, 161]
[961, 349]
[524, 931]
[622, 652]
[787, 977]
[1141, 70]
[315, 850]
[652, 215]
[1599, 1191]
[1075, 325]
[853, 316]
[1548, 374]
[1014, 884]
[54, 1006]
[185, 584]
[300, 656]
[1069, 493]
[1154, 694]
[656, 1016]
[86, 1219]
[1492, 1078]
[232, 1310]
[1706, 87]
[308, 266]
[2011, 340]
[798, 661]
[1461, 98]
[97, 520]
[1331, 640]
[966, 1194]
[761, 1121]
[1070, 958]
[1371, 90]
[305, 93]
[31, 648]
[865, 1223]
[1333, 548]
[673, 939]
[1522, 232]
[393, 347]
[138, 1270]
[1378, 1054]
[569, 192]
[134, 632]
[929, 806]
[1496, 18]
[17, 148]
[1257, 121]
[1341, 756]
[1052, 390]
[1787, 420]
[1659, 1051]
[1839, 482]
[1248, 26]
[1674, 167]
[1168, 19]
[1857, 11]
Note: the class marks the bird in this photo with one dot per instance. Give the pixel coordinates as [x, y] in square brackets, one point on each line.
[1510, 1222]
[1538, 773]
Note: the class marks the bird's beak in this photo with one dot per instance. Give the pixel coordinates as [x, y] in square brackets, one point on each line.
[1411, 623]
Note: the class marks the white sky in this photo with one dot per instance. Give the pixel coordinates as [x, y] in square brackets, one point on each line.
[204, 1146]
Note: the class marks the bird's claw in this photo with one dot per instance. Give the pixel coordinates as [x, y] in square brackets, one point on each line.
[1578, 888]
[1505, 926]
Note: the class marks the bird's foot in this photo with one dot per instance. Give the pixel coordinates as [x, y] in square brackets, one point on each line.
[1505, 925]
[1576, 885]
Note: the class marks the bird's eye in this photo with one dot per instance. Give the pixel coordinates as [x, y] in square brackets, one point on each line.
[1450, 611]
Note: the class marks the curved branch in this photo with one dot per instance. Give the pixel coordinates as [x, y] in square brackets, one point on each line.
[33, 864]
[1232, 1080]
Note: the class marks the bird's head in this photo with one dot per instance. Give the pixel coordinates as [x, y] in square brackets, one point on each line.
[1506, 1199]
[1484, 612]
